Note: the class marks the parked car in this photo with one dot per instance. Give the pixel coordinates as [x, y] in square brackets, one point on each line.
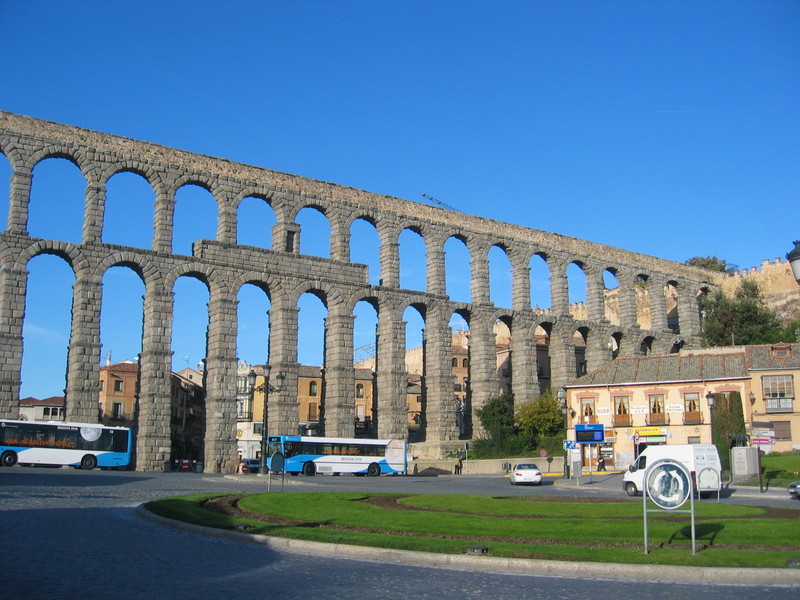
[794, 490]
[250, 465]
[526, 473]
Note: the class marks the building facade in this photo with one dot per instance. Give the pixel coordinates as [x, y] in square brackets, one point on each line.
[641, 401]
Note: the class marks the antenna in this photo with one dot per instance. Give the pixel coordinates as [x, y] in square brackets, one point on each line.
[438, 202]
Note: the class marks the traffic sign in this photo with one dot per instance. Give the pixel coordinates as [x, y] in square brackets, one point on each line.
[763, 441]
[570, 445]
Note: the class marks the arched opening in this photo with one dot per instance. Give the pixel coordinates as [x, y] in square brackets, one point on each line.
[57, 201]
[576, 282]
[364, 358]
[190, 327]
[611, 297]
[315, 232]
[673, 319]
[500, 277]
[502, 350]
[254, 222]
[579, 342]
[614, 343]
[311, 356]
[365, 243]
[121, 337]
[413, 257]
[252, 346]
[128, 216]
[415, 374]
[462, 395]
[542, 333]
[46, 330]
[457, 260]
[195, 218]
[540, 282]
[641, 286]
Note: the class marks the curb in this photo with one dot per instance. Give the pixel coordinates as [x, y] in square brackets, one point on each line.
[781, 578]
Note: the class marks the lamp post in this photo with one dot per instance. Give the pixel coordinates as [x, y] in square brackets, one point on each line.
[794, 260]
[266, 388]
[562, 400]
[710, 400]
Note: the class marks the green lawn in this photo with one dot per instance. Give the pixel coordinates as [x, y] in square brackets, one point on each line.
[514, 526]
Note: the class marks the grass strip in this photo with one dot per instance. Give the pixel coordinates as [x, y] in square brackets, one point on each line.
[728, 535]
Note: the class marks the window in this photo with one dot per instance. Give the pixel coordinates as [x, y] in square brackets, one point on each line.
[312, 412]
[691, 402]
[102, 385]
[778, 391]
[455, 362]
[118, 385]
[465, 363]
[622, 411]
[694, 439]
[312, 388]
[116, 411]
[360, 390]
[656, 403]
[783, 430]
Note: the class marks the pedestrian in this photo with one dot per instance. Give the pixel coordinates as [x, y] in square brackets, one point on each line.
[601, 463]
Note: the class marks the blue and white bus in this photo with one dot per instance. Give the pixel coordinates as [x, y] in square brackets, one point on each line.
[312, 455]
[84, 445]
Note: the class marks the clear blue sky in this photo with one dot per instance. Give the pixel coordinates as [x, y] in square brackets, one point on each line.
[667, 128]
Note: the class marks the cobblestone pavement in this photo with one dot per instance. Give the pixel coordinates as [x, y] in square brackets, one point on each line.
[73, 534]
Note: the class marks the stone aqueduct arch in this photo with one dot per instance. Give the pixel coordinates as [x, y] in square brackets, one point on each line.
[285, 274]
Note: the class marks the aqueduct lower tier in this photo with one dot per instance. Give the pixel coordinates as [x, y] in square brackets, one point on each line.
[284, 274]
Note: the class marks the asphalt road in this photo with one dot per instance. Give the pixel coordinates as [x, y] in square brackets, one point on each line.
[74, 534]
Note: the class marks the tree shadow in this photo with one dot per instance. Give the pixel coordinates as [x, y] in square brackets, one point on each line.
[704, 532]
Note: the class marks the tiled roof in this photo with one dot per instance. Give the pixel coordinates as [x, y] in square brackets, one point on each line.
[51, 401]
[769, 357]
[666, 369]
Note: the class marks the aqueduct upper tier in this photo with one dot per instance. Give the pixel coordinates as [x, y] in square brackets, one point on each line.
[673, 291]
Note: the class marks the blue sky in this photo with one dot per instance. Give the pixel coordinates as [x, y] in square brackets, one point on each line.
[667, 128]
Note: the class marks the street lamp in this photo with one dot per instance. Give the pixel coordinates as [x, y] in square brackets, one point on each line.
[710, 400]
[562, 400]
[266, 388]
[794, 260]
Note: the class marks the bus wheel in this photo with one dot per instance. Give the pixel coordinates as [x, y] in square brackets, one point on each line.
[373, 470]
[309, 469]
[9, 458]
[88, 462]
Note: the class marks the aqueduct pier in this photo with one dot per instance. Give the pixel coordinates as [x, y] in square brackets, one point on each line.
[284, 274]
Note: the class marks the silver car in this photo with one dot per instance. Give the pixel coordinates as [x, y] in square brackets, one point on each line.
[794, 490]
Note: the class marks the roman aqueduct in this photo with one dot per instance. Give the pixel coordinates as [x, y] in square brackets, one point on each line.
[285, 274]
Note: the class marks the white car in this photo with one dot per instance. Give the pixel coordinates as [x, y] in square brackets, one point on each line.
[526, 473]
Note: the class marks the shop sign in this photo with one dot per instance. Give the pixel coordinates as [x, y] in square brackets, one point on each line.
[674, 408]
[648, 431]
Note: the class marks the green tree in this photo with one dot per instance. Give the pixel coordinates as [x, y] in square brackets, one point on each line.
[541, 417]
[741, 320]
[497, 416]
[712, 263]
[728, 424]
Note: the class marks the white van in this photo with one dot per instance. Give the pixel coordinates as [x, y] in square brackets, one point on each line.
[695, 457]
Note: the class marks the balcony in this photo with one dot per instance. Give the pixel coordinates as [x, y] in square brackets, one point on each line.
[622, 420]
[587, 420]
[657, 419]
[692, 418]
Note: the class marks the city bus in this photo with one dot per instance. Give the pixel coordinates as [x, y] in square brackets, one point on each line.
[84, 445]
[360, 456]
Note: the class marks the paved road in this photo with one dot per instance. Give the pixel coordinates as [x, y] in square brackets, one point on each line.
[73, 534]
